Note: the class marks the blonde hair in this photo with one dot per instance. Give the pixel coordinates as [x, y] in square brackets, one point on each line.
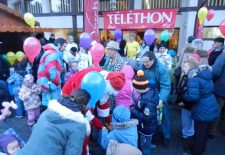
[192, 62]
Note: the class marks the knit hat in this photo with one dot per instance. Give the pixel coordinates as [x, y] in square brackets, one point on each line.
[190, 39]
[113, 45]
[121, 114]
[219, 39]
[197, 43]
[162, 44]
[28, 78]
[5, 140]
[140, 81]
[116, 79]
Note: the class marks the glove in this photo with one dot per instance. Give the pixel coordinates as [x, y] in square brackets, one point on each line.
[89, 116]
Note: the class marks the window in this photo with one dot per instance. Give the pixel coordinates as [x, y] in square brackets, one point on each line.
[111, 5]
[160, 4]
[211, 33]
[216, 2]
[17, 6]
[34, 7]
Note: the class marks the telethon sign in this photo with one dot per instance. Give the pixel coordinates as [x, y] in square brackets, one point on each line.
[140, 19]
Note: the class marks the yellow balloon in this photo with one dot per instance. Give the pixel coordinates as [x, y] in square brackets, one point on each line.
[29, 19]
[19, 56]
[11, 57]
[202, 13]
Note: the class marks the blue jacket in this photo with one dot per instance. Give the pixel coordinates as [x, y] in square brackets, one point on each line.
[145, 111]
[200, 92]
[159, 73]
[59, 131]
[218, 70]
[124, 130]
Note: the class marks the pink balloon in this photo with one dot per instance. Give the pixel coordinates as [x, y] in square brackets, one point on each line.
[210, 14]
[222, 27]
[32, 48]
[97, 53]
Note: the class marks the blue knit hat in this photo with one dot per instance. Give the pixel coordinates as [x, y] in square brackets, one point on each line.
[121, 114]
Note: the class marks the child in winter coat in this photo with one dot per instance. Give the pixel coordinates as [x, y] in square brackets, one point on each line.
[124, 129]
[205, 107]
[163, 56]
[73, 69]
[145, 110]
[29, 94]
[16, 80]
[84, 59]
[124, 95]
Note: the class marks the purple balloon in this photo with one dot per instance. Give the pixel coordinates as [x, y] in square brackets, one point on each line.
[118, 33]
[85, 40]
[149, 36]
[118, 40]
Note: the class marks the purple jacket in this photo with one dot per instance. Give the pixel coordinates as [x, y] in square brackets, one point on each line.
[69, 74]
[124, 95]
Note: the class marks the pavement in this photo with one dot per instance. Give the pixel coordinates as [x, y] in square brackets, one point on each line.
[215, 146]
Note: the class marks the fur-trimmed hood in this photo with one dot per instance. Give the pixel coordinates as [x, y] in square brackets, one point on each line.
[124, 125]
[203, 71]
[200, 52]
[67, 114]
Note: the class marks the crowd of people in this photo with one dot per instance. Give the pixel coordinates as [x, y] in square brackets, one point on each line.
[135, 106]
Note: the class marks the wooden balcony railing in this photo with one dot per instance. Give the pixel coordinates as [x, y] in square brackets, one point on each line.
[216, 2]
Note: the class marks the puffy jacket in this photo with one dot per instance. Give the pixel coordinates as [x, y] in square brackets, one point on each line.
[124, 129]
[50, 68]
[161, 76]
[218, 70]
[124, 95]
[200, 91]
[145, 111]
[58, 131]
[30, 96]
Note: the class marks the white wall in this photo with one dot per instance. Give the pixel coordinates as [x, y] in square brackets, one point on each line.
[55, 22]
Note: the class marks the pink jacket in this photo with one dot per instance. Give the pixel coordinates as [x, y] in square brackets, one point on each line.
[124, 95]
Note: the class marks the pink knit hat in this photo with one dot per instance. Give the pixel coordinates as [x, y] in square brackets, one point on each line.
[196, 57]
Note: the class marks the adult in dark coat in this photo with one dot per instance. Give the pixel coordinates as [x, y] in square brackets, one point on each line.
[217, 49]
[4, 69]
[218, 70]
[37, 59]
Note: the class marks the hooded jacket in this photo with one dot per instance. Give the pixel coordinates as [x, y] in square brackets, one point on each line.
[50, 67]
[59, 131]
[124, 95]
[145, 111]
[124, 129]
[200, 93]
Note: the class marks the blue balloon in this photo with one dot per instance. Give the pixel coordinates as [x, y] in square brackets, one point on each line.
[172, 53]
[94, 83]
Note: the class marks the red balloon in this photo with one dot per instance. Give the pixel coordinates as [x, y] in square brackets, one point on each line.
[222, 27]
[32, 48]
[210, 14]
[97, 53]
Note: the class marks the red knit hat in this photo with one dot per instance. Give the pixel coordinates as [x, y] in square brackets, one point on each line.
[116, 79]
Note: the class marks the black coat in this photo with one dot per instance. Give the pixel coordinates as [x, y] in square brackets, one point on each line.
[181, 90]
[4, 69]
[36, 64]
